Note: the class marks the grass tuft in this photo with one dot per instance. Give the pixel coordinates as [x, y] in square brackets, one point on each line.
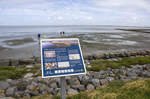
[13, 72]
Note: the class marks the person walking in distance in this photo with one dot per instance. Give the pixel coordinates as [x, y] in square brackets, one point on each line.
[39, 37]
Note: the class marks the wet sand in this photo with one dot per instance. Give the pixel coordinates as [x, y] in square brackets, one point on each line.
[16, 42]
[137, 30]
[91, 43]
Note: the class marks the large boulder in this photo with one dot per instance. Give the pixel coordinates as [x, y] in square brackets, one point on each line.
[72, 91]
[28, 75]
[53, 85]
[78, 87]
[89, 87]
[103, 82]
[4, 85]
[110, 78]
[26, 61]
[95, 82]
[14, 62]
[19, 94]
[10, 91]
[146, 74]
[85, 80]
[73, 81]
[4, 62]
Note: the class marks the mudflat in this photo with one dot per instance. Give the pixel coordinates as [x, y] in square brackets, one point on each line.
[91, 43]
[18, 41]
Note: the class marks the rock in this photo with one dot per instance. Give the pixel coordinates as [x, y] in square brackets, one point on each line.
[21, 86]
[19, 94]
[96, 75]
[106, 56]
[32, 87]
[4, 85]
[111, 55]
[29, 66]
[9, 81]
[100, 56]
[89, 87]
[14, 63]
[27, 94]
[96, 82]
[104, 82]
[4, 62]
[78, 87]
[146, 74]
[129, 74]
[13, 82]
[147, 67]
[37, 60]
[72, 91]
[110, 79]
[2, 93]
[53, 85]
[133, 53]
[56, 91]
[28, 75]
[10, 91]
[73, 81]
[102, 72]
[85, 80]
[7, 98]
[34, 83]
[114, 59]
[34, 93]
[43, 87]
[26, 61]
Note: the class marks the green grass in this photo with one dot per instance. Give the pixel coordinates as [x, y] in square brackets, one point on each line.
[9, 72]
[13, 72]
[97, 65]
[137, 89]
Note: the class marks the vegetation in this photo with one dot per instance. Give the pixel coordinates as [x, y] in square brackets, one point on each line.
[13, 72]
[137, 89]
[97, 65]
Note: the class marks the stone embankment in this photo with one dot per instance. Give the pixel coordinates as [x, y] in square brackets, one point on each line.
[118, 55]
[30, 86]
[34, 60]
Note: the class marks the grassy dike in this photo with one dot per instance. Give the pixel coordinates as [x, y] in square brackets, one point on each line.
[137, 89]
[97, 65]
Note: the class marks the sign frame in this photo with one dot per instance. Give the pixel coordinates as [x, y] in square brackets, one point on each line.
[62, 75]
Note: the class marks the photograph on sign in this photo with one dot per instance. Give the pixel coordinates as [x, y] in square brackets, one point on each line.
[61, 57]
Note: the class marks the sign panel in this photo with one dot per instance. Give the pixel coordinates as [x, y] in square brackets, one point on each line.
[61, 57]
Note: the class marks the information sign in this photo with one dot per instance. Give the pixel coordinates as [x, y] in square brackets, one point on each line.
[61, 57]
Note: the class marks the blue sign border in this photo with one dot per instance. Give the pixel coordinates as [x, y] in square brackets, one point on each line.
[59, 75]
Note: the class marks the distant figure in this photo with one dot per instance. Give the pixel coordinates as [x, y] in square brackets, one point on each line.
[62, 33]
[39, 36]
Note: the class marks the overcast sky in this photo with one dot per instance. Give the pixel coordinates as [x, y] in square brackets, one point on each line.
[75, 12]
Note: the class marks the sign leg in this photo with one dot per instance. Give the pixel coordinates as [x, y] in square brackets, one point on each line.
[63, 87]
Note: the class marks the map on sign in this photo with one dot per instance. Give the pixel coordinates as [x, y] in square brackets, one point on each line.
[61, 57]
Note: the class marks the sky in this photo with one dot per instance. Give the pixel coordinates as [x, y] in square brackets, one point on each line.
[75, 12]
